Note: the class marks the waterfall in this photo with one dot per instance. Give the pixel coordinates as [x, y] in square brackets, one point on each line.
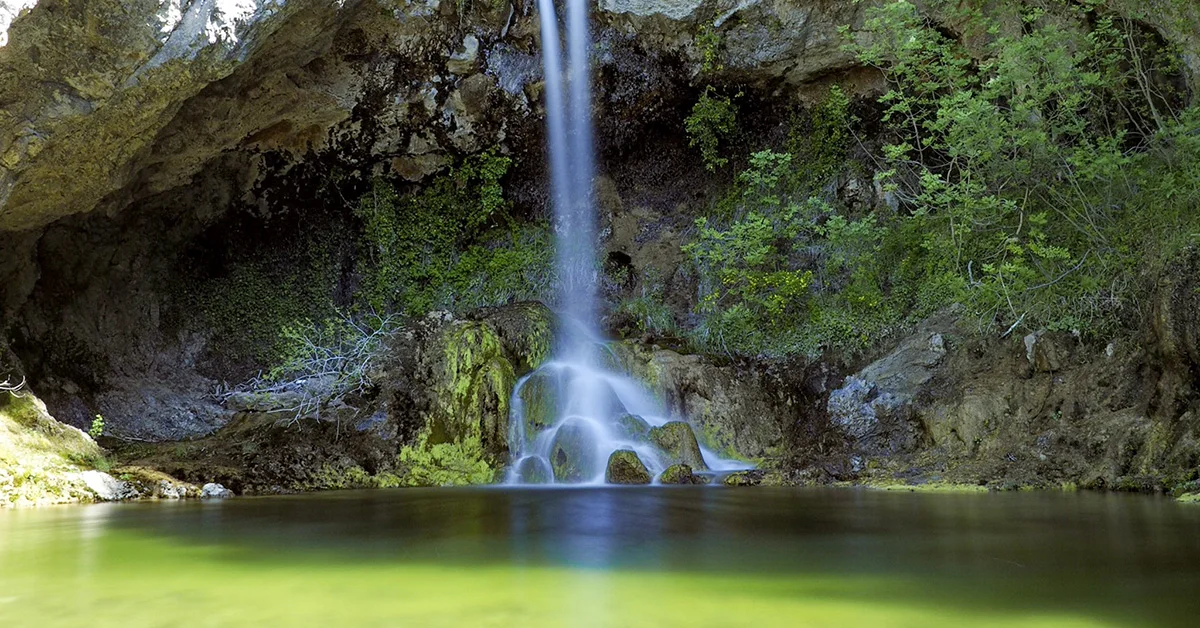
[571, 414]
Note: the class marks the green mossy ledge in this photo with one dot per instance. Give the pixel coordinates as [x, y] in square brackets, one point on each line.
[42, 460]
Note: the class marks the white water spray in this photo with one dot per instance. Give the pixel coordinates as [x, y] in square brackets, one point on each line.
[572, 413]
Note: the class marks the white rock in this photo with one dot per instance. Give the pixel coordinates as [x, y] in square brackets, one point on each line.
[212, 490]
[463, 60]
[106, 487]
[673, 9]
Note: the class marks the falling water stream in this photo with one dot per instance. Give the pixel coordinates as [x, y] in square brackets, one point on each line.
[587, 404]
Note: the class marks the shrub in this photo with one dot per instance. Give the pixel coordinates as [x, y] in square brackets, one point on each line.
[712, 121]
[322, 364]
[1047, 181]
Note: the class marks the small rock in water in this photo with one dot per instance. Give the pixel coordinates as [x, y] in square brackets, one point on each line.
[573, 455]
[625, 467]
[744, 478]
[212, 490]
[678, 442]
[533, 470]
[678, 474]
[632, 427]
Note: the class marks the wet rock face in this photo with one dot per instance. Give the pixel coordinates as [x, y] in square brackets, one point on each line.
[573, 454]
[678, 444]
[632, 427]
[736, 412]
[678, 474]
[625, 467]
[534, 471]
[873, 406]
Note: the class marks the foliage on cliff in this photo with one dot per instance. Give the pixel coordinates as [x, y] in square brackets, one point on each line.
[450, 245]
[1041, 180]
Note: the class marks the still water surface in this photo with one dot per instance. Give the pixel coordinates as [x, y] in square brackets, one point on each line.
[629, 558]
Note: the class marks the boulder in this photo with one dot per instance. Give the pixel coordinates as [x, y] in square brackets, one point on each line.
[678, 444]
[678, 474]
[212, 490]
[743, 478]
[573, 453]
[539, 396]
[632, 427]
[874, 406]
[534, 470]
[625, 467]
[740, 412]
[107, 488]
[1043, 353]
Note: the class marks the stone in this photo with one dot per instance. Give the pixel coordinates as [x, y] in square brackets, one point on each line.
[677, 442]
[625, 467]
[417, 167]
[873, 405]
[671, 9]
[678, 474]
[107, 488]
[857, 406]
[533, 470]
[1043, 354]
[739, 412]
[463, 59]
[632, 427]
[573, 454]
[212, 490]
[743, 478]
[539, 397]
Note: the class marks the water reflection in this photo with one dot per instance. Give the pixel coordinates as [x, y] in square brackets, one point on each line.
[599, 557]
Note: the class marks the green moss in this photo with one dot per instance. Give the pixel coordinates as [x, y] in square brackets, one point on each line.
[1189, 498]
[476, 384]
[677, 441]
[450, 245]
[329, 477]
[929, 487]
[677, 474]
[625, 467]
[444, 464]
[255, 297]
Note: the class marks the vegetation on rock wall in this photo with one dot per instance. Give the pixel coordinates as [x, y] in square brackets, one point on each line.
[247, 304]
[712, 121]
[1045, 183]
[450, 245]
[1042, 180]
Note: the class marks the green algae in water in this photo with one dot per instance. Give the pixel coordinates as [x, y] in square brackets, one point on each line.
[605, 557]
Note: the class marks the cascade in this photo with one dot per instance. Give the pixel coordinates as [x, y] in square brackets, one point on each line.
[571, 414]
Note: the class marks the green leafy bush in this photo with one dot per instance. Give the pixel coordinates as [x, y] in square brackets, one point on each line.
[712, 121]
[1046, 182]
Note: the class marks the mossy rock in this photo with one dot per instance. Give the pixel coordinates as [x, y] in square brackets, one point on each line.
[632, 427]
[678, 444]
[678, 474]
[539, 397]
[473, 388]
[533, 470]
[526, 329]
[573, 453]
[41, 458]
[625, 467]
[743, 478]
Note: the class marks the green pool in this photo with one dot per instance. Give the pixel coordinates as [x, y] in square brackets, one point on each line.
[652, 557]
